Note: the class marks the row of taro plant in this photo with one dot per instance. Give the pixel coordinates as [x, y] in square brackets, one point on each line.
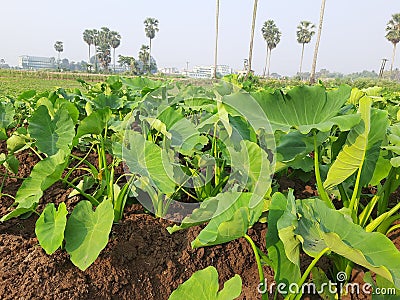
[215, 148]
[62, 130]
[348, 144]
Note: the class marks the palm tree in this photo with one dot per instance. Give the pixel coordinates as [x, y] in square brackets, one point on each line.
[88, 38]
[216, 39]
[304, 34]
[314, 64]
[151, 27]
[253, 26]
[115, 42]
[59, 46]
[104, 47]
[96, 40]
[144, 57]
[393, 34]
[272, 37]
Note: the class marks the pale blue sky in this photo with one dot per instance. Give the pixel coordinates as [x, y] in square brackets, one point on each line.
[352, 38]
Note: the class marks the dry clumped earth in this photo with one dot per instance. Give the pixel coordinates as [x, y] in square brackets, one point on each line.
[141, 261]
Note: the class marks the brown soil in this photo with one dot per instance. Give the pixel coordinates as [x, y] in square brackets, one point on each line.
[141, 261]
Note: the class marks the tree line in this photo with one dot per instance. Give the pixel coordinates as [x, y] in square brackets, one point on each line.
[105, 39]
[305, 31]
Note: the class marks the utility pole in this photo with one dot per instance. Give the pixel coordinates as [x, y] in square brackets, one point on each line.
[187, 68]
[384, 60]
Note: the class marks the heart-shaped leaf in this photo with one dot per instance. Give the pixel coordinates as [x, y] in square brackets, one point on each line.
[203, 285]
[50, 227]
[51, 134]
[86, 233]
[44, 174]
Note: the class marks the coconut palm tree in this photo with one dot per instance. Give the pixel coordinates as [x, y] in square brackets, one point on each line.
[393, 34]
[115, 41]
[88, 38]
[216, 38]
[253, 26]
[272, 37]
[59, 47]
[150, 27]
[305, 31]
[321, 20]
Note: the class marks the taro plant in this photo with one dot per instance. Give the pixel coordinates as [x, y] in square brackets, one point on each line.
[205, 282]
[342, 142]
[56, 127]
[302, 222]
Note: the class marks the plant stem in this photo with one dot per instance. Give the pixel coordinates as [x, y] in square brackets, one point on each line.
[307, 273]
[393, 228]
[259, 265]
[349, 268]
[7, 195]
[320, 187]
[343, 195]
[89, 197]
[11, 176]
[37, 153]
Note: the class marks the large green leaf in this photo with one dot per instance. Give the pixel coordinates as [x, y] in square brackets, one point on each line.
[352, 156]
[199, 215]
[203, 285]
[382, 289]
[394, 139]
[51, 134]
[44, 174]
[316, 227]
[50, 227]
[254, 166]
[286, 271]
[321, 282]
[149, 160]
[7, 113]
[183, 133]
[94, 123]
[86, 233]
[306, 108]
[236, 212]
[108, 101]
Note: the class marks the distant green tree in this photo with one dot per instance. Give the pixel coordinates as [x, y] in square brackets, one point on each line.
[393, 34]
[89, 39]
[321, 21]
[104, 48]
[253, 26]
[115, 41]
[96, 40]
[150, 27]
[272, 37]
[305, 31]
[144, 57]
[130, 63]
[59, 47]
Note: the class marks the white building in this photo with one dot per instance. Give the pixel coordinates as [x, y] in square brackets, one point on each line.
[36, 62]
[206, 72]
[169, 71]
